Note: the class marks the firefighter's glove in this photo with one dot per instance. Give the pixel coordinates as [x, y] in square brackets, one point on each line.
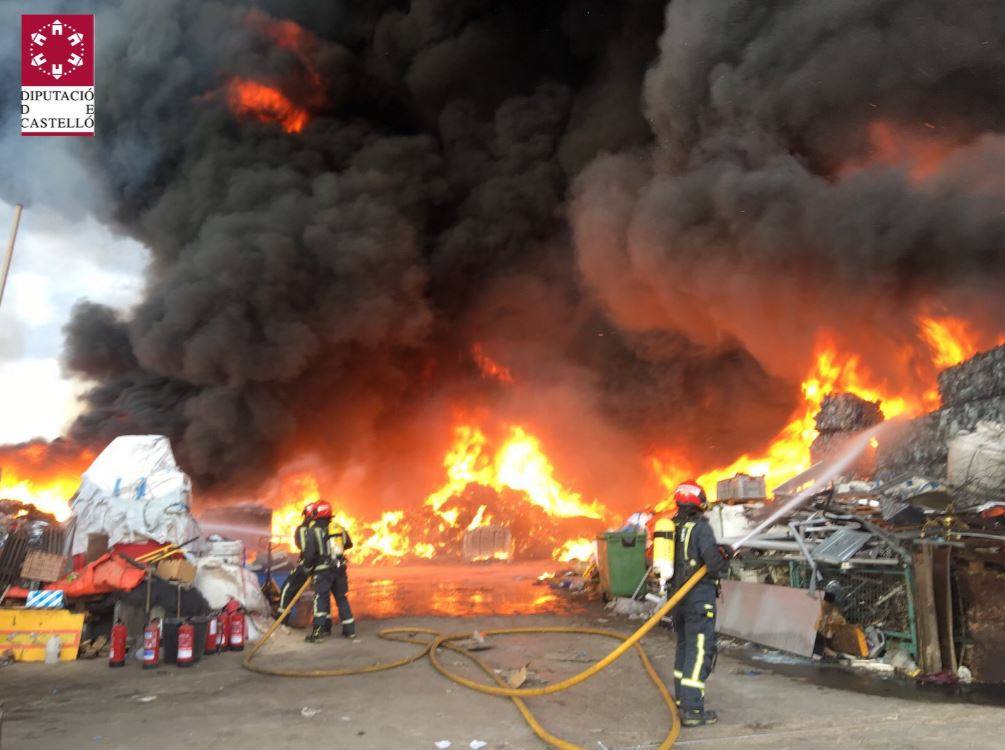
[727, 552]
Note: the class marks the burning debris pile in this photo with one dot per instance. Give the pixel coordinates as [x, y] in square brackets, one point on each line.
[892, 558]
[972, 392]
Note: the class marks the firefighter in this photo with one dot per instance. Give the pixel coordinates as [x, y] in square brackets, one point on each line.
[324, 558]
[339, 543]
[318, 562]
[298, 575]
[694, 616]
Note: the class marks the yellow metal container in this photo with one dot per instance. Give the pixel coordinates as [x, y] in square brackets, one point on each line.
[27, 631]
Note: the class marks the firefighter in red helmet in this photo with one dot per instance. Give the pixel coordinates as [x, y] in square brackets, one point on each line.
[324, 556]
[298, 575]
[694, 616]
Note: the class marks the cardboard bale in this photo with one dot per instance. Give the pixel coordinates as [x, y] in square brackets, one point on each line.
[43, 566]
[180, 570]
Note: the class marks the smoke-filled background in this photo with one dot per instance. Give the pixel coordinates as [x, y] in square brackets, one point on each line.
[646, 212]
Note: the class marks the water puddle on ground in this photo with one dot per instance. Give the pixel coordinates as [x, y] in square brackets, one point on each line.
[458, 590]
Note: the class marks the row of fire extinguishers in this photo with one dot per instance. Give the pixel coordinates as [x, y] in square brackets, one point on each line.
[227, 631]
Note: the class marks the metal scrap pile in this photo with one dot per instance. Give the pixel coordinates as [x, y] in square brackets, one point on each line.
[910, 552]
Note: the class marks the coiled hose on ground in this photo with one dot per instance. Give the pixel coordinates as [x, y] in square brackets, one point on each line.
[437, 640]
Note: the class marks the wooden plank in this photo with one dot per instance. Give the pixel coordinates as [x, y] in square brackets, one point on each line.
[943, 590]
[929, 652]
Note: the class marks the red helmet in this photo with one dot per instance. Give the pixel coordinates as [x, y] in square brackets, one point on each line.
[690, 493]
[322, 510]
[309, 511]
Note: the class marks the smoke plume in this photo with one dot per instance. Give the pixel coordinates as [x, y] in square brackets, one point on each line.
[814, 165]
[643, 211]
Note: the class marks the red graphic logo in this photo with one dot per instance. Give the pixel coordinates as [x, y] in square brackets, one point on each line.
[57, 50]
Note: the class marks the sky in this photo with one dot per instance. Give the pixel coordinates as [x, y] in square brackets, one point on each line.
[57, 261]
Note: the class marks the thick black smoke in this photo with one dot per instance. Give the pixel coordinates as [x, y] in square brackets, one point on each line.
[321, 290]
[814, 165]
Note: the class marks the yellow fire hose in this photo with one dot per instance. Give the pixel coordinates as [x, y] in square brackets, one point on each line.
[440, 640]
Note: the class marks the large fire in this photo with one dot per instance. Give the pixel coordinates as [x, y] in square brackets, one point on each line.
[950, 341]
[505, 479]
[517, 478]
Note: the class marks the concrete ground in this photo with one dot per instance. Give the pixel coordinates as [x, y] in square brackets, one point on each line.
[218, 704]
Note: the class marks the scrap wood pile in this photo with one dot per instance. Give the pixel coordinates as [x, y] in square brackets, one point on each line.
[909, 545]
[31, 543]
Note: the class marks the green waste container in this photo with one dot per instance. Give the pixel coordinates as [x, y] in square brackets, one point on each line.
[621, 559]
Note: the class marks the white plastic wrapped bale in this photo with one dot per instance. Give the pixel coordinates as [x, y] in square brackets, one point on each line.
[220, 577]
[134, 492]
[977, 460]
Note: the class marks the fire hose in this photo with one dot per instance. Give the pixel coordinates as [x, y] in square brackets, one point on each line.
[446, 640]
[438, 640]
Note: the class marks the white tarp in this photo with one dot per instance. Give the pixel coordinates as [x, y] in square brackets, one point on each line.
[134, 492]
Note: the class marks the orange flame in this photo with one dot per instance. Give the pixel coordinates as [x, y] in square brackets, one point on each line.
[789, 453]
[45, 475]
[576, 549]
[489, 367]
[264, 103]
[951, 339]
[519, 465]
[920, 152]
[292, 37]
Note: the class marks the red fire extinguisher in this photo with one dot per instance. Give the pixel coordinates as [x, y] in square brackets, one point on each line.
[151, 644]
[117, 648]
[237, 630]
[186, 645]
[223, 629]
[211, 644]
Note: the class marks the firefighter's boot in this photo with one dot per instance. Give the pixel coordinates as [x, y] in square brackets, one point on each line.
[316, 635]
[698, 718]
[349, 629]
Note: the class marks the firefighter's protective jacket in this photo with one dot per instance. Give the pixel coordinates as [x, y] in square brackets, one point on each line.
[300, 537]
[317, 556]
[695, 546]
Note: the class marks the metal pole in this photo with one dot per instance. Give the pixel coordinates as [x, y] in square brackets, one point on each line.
[10, 250]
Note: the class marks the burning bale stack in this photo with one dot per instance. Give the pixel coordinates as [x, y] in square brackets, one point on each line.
[972, 393]
[842, 415]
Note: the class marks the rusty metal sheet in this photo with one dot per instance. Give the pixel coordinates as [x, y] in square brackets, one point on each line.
[777, 616]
